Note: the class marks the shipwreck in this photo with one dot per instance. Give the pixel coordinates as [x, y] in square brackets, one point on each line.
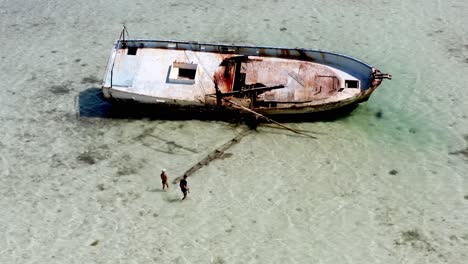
[264, 80]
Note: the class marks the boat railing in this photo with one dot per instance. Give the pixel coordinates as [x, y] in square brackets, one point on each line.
[119, 44]
[112, 72]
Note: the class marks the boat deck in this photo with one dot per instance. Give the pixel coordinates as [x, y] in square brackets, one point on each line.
[188, 76]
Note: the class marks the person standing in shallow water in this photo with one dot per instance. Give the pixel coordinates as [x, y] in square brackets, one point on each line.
[164, 180]
[183, 186]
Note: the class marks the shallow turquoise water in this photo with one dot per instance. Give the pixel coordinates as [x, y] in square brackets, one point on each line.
[368, 190]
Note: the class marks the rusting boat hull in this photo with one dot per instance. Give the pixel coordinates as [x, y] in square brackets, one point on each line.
[268, 80]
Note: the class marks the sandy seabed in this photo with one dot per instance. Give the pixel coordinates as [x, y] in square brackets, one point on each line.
[385, 184]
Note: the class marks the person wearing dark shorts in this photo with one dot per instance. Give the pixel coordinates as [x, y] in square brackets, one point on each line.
[164, 179]
[183, 186]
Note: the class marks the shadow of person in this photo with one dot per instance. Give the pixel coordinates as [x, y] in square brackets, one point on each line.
[155, 190]
[172, 199]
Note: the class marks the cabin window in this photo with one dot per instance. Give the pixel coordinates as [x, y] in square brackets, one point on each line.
[351, 83]
[183, 73]
[132, 51]
[188, 74]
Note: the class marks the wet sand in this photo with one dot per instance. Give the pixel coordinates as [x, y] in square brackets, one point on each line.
[385, 184]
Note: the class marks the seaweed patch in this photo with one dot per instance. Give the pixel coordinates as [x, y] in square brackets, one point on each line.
[60, 89]
[87, 157]
[463, 152]
[90, 79]
[218, 260]
[379, 114]
[415, 240]
[123, 171]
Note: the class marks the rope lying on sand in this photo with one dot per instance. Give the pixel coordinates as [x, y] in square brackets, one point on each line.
[268, 119]
[216, 154]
